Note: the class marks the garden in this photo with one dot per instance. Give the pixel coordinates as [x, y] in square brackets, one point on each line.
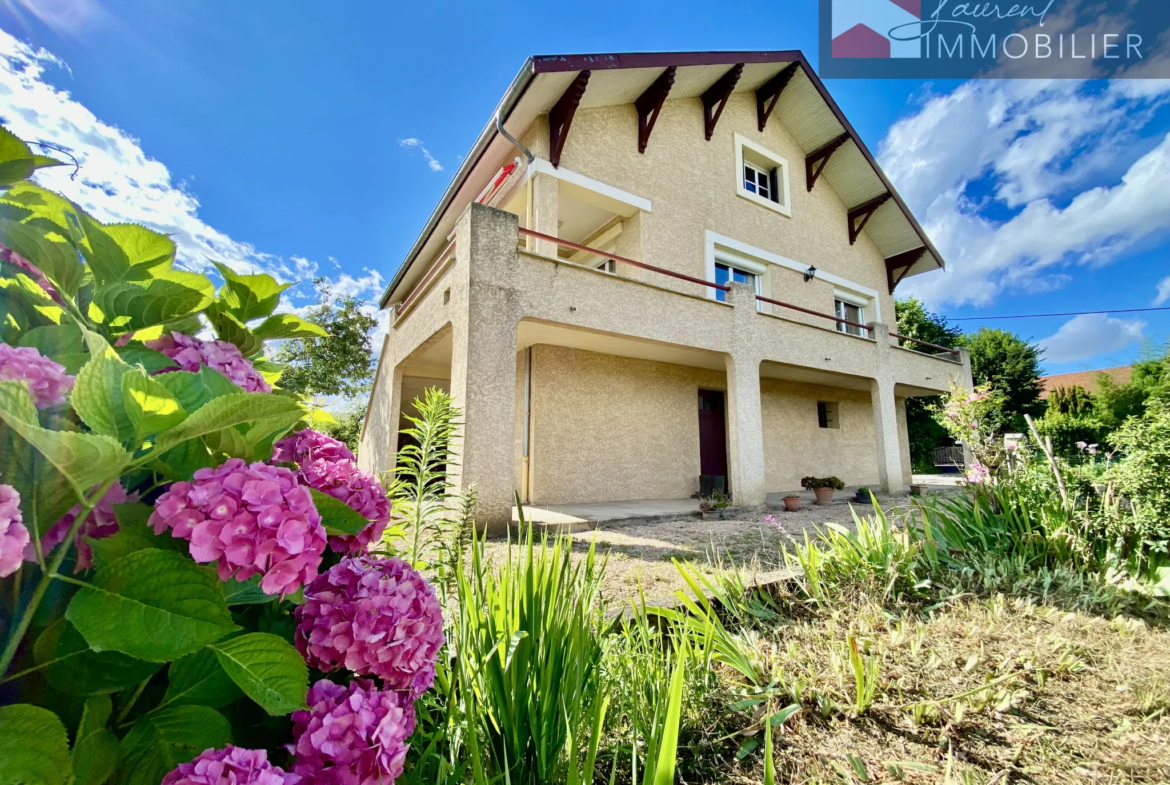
[201, 587]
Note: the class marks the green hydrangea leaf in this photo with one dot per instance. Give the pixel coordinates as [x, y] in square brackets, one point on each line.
[181, 462]
[50, 252]
[267, 668]
[168, 296]
[193, 390]
[152, 360]
[74, 669]
[61, 343]
[162, 740]
[336, 516]
[151, 406]
[34, 749]
[154, 605]
[45, 493]
[124, 252]
[97, 391]
[229, 328]
[95, 751]
[286, 325]
[199, 679]
[133, 535]
[16, 158]
[248, 297]
[262, 412]
[246, 592]
[84, 459]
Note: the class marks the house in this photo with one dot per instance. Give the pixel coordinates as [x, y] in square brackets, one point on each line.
[660, 272]
[1086, 379]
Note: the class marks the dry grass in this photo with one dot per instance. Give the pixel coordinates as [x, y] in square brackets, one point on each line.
[979, 691]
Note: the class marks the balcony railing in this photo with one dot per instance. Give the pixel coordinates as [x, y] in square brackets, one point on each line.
[837, 320]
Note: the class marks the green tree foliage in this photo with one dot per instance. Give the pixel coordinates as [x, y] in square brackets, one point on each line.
[1071, 420]
[915, 321]
[1010, 364]
[1117, 402]
[340, 362]
[347, 426]
[1142, 478]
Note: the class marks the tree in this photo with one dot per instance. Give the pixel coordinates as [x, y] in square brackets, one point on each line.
[915, 321]
[1011, 365]
[340, 364]
[1116, 403]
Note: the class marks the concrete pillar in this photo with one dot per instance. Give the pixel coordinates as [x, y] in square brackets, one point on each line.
[379, 439]
[545, 213]
[745, 429]
[483, 359]
[885, 415]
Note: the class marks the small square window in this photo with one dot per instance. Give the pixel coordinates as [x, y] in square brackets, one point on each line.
[757, 181]
[827, 415]
[762, 176]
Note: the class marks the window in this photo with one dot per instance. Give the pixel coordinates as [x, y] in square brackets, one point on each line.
[608, 266]
[725, 273]
[827, 414]
[761, 176]
[852, 312]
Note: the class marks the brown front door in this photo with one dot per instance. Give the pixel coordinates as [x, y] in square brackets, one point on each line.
[713, 437]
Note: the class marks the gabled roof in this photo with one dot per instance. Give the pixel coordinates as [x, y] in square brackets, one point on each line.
[805, 107]
[1087, 379]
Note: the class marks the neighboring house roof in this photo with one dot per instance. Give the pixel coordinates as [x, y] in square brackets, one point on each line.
[1086, 379]
[805, 107]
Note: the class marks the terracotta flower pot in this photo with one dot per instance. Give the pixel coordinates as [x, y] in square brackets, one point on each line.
[792, 504]
[824, 495]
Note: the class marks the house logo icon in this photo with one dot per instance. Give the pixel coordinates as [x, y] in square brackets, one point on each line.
[872, 29]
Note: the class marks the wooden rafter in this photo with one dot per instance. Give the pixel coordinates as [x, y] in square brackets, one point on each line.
[815, 162]
[902, 264]
[859, 216]
[716, 98]
[560, 117]
[769, 93]
[649, 104]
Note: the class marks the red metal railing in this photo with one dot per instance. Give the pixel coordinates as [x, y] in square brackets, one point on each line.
[624, 260]
[428, 278]
[834, 317]
[946, 349]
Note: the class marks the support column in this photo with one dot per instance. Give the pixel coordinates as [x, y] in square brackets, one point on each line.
[483, 360]
[885, 415]
[745, 428]
[377, 452]
[545, 213]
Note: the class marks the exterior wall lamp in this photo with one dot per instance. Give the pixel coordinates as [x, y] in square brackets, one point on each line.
[810, 274]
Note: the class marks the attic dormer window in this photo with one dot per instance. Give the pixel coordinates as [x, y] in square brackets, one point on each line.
[762, 176]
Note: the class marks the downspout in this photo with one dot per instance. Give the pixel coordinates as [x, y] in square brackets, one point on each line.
[515, 142]
[527, 186]
[526, 439]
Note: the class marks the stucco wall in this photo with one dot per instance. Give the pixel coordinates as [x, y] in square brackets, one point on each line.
[691, 183]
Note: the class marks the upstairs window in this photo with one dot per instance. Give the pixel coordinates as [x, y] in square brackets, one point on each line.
[725, 274]
[761, 176]
[852, 312]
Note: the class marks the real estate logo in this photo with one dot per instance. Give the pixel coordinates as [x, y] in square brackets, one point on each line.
[1047, 39]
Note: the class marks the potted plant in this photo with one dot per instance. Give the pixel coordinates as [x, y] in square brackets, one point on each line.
[715, 505]
[863, 495]
[823, 487]
[792, 502]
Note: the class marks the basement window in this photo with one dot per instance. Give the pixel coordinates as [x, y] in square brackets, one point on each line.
[761, 176]
[827, 415]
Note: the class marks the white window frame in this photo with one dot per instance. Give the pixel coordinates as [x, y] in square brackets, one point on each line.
[741, 263]
[861, 302]
[783, 204]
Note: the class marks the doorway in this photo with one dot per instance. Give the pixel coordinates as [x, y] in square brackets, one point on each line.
[712, 442]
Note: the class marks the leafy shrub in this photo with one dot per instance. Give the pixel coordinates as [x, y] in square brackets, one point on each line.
[1140, 519]
[144, 438]
[822, 482]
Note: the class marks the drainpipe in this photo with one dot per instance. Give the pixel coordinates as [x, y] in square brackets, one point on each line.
[526, 439]
[515, 142]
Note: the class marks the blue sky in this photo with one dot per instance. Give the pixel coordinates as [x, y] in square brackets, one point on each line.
[316, 138]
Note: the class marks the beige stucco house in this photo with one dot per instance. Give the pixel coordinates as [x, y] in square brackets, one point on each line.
[654, 271]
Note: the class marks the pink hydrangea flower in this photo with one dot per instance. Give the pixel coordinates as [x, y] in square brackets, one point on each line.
[978, 473]
[34, 272]
[375, 617]
[360, 490]
[192, 353]
[354, 736]
[100, 523]
[46, 379]
[253, 519]
[13, 535]
[309, 445]
[230, 766]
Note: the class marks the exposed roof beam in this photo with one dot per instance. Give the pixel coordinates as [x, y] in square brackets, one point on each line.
[769, 93]
[560, 117]
[649, 104]
[718, 93]
[816, 162]
[859, 216]
[903, 262]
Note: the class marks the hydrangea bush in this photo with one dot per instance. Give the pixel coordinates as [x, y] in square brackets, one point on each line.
[164, 521]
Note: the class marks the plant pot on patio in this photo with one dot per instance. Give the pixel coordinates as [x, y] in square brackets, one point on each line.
[824, 495]
[823, 487]
[792, 503]
[862, 496]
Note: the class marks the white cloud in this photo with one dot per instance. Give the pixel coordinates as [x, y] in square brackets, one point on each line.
[1163, 295]
[1028, 148]
[63, 16]
[118, 181]
[1089, 335]
[417, 143]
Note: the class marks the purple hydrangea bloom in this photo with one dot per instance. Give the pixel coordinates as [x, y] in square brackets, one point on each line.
[354, 736]
[309, 445]
[47, 380]
[13, 535]
[360, 490]
[230, 766]
[100, 523]
[34, 272]
[375, 617]
[253, 519]
[192, 353]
